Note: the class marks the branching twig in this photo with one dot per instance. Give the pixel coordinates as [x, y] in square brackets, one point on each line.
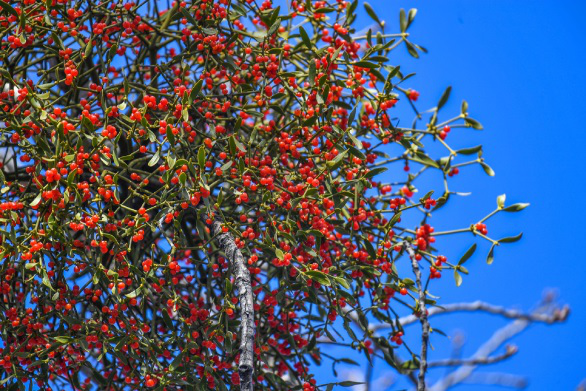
[546, 313]
[244, 286]
[511, 350]
[479, 306]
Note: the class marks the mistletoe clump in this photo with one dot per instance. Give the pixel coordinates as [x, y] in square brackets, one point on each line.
[194, 196]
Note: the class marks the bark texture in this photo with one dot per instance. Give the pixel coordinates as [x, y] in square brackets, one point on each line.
[243, 284]
[423, 319]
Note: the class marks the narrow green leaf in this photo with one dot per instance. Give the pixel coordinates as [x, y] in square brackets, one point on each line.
[489, 171]
[371, 13]
[515, 207]
[318, 276]
[402, 20]
[201, 157]
[469, 151]
[490, 256]
[8, 8]
[467, 254]
[372, 173]
[444, 98]
[411, 16]
[511, 239]
[305, 37]
[473, 123]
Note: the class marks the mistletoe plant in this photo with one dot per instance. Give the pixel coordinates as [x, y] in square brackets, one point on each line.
[193, 194]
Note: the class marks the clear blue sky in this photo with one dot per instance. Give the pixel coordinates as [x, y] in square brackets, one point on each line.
[521, 67]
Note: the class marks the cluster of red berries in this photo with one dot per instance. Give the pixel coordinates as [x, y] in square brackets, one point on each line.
[396, 338]
[424, 236]
[429, 203]
[444, 132]
[480, 227]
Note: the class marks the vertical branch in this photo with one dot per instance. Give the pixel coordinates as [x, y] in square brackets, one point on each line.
[244, 286]
[422, 318]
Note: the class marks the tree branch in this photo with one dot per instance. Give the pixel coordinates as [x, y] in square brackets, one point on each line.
[497, 379]
[484, 307]
[547, 313]
[511, 350]
[422, 318]
[244, 286]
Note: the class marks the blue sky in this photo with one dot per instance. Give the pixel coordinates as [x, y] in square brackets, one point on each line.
[520, 66]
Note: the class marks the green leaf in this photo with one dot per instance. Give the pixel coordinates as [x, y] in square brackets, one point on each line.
[444, 98]
[470, 151]
[464, 108]
[411, 16]
[352, 116]
[63, 340]
[473, 123]
[318, 276]
[366, 64]
[458, 278]
[515, 207]
[371, 13]
[196, 89]
[305, 37]
[422, 158]
[372, 173]
[402, 20]
[37, 199]
[176, 362]
[349, 330]
[342, 281]
[467, 255]
[337, 161]
[274, 27]
[489, 171]
[134, 293]
[201, 157]
[511, 239]
[8, 8]
[311, 73]
[170, 135]
[348, 383]
[411, 49]
[155, 159]
[490, 256]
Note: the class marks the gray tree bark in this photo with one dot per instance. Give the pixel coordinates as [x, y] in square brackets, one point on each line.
[243, 284]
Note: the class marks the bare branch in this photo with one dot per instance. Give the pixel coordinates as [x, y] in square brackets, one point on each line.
[481, 306]
[510, 351]
[497, 379]
[547, 312]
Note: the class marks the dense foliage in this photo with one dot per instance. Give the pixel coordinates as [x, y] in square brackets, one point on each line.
[130, 127]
